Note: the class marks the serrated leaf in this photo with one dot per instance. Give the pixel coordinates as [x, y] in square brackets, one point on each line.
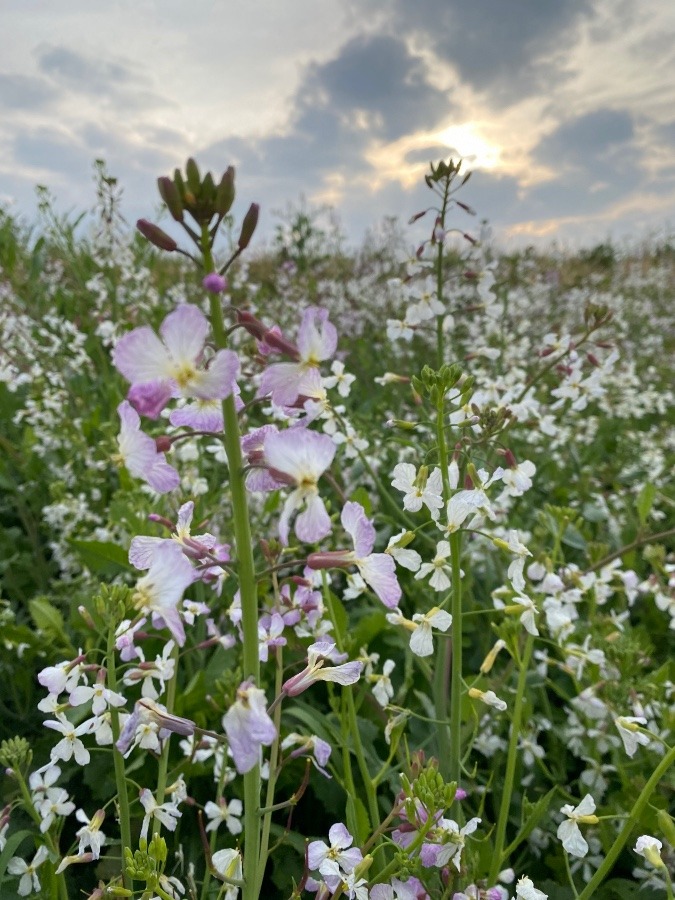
[645, 501]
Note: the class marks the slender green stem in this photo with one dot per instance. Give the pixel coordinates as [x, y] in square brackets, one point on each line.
[445, 649]
[274, 761]
[630, 823]
[350, 727]
[456, 671]
[247, 585]
[118, 759]
[512, 754]
[164, 758]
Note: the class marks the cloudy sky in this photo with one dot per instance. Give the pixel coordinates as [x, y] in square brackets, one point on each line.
[564, 109]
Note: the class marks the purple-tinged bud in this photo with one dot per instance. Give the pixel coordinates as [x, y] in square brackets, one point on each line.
[461, 794]
[466, 208]
[171, 196]
[225, 192]
[156, 236]
[331, 559]
[248, 226]
[214, 283]
[163, 443]
[471, 240]
[177, 724]
[254, 326]
[417, 216]
[510, 459]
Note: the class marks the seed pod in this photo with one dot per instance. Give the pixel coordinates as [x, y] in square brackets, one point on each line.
[248, 226]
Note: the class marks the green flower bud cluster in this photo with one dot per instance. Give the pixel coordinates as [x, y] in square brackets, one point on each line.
[199, 196]
[430, 789]
[113, 603]
[15, 753]
[435, 384]
[147, 863]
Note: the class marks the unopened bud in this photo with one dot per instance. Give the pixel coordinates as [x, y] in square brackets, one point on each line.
[489, 660]
[86, 615]
[214, 283]
[248, 226]
[225, 192]
[400, 424]
[171, 196]
[193, 176]
[163, 443]
[156, 236]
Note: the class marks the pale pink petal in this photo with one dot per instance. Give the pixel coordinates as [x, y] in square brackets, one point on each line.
[162, 477]
[299, 453]
[317, 337]
[293, 502]
[281, 381]
[379, 571]
[200, 416]
[149, 399]
[218, 381]
[184, 333]
[314, 523]
[360, 529]
[141, 357]
[143, 549]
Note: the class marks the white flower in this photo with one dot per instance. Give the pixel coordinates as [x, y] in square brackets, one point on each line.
[340, 379]
[167, 813]
[525, 890]
[438, 568]
[71, 745]
[230, 813]
[421, 639]
[29, 882]
[650, 848]
[631, 736]
[419, 489]
[568, 831]
[487, 697]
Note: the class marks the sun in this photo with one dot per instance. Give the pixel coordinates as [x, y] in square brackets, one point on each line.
[466, 141]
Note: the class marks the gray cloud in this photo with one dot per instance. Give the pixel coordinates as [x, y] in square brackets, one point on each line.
[77, 72]
[25, 92]
[511, 47]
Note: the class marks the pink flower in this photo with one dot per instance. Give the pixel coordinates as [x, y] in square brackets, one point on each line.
[159, 369]
[300, 457]
[139, 453]
[160, 591]
[143, 547]
[317, 341]
[248, 727]
[377, 569]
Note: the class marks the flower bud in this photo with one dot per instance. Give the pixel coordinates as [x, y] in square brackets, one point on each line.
[156, 236]
[193, 177]
[171, 196]
[248, 226]
[214, 283]
[225, 192]
[163, 443]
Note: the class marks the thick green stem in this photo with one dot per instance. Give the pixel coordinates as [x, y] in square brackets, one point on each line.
[118, 759]
[512, 754]
[247, 585]
[628, 826]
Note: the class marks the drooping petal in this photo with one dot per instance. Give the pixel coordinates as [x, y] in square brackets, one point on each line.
[360, 529]
[379, 571]
[149, 399]
[317, 337]
[202, 415]
[313, 523]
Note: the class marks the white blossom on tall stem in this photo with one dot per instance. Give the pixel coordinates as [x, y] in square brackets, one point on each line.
[568, 831]
[29, 882]
[160, 591]
[300, 457]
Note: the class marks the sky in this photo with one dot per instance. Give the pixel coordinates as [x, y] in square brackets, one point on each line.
[563, 109]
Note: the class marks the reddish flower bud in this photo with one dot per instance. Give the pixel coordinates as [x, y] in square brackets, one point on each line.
[248, 226]
[156, 236]
[163, 443]
[254, 326]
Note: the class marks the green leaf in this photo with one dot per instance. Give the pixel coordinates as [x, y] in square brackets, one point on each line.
[100, 555]
[645, 501]
[368, 629]
[315, 722]
[361, 495]
[358, 823]
[47, 617]
[532, 814]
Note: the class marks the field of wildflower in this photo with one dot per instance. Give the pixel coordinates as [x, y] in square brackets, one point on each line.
[333, 573]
